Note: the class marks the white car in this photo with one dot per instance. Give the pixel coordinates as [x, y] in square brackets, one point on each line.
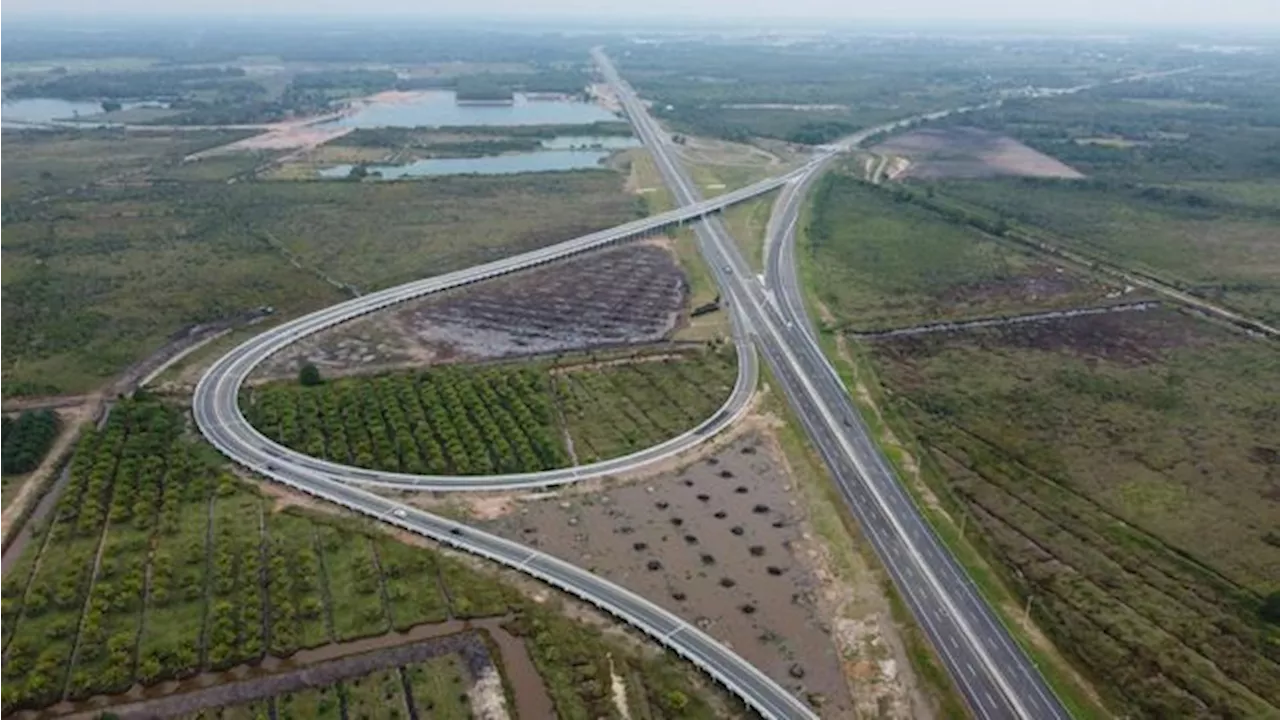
[398, 513]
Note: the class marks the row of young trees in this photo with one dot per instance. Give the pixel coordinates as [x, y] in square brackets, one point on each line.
[27, 439]
[448, 421]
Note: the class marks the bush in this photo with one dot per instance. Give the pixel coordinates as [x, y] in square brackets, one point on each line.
[309, 375]
[27, 439]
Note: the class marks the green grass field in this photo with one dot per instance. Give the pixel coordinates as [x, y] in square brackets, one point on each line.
[101, 278]
[1219, 243]
[881, 262]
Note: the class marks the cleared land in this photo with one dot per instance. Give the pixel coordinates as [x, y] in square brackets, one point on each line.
[98, 278]
[158, 566]
[962, 152]
[618, 296]
[724, 543]
[456, 420]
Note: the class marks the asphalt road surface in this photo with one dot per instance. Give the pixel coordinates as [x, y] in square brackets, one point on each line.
[996, 678]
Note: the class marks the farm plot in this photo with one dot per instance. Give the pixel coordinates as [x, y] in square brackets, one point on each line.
[443, 421]
[618, 296]
[157, 566]
[502, 419]
[611, 410]
[1131, 502]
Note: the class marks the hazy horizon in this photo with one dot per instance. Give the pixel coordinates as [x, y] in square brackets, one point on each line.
[1252, 15]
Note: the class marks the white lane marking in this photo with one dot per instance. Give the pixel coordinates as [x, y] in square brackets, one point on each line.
[900, 531]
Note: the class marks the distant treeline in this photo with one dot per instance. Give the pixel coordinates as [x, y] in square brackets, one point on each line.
[361, 40]
[526, 135]
[125, 85]
[546, 80]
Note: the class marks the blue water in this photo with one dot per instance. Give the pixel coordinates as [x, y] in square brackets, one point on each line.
[46, 109]
[541, 161]
[39, 110]
[439, 109]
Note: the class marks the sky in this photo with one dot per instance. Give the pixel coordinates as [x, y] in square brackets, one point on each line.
[1247, 13]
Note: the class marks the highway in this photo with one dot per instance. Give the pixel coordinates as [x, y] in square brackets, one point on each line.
[995, 677]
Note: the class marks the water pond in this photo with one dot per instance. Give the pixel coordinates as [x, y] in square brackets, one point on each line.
[540, 161]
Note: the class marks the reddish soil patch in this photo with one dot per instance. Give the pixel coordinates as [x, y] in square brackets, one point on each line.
[716, 543]
[625, 295]
[1128, 338]
[963, 152]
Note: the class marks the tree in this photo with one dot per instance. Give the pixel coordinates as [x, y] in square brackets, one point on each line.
[309, 375]
[1270, 610]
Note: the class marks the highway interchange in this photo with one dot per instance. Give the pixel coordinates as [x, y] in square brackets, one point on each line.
[994, 675]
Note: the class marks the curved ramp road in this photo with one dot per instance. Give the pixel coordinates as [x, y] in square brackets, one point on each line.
[219, 416]
[996, 678]
[736, 674]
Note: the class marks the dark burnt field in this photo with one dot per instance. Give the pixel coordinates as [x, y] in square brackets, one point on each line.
[623, 295]
[619, 296]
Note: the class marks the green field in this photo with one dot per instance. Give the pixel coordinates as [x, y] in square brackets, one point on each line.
[99, 279]
[617, 409]
[879, 262]
[44, 163]
[501, 419]
[1223, 244]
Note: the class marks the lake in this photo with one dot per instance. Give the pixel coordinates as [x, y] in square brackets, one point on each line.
[42, 110]
[541, 161]
[440, 109]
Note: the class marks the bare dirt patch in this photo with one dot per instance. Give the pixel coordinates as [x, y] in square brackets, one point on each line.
[620, 296]
[716, 542]
[963, 152]
[1036, 284]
